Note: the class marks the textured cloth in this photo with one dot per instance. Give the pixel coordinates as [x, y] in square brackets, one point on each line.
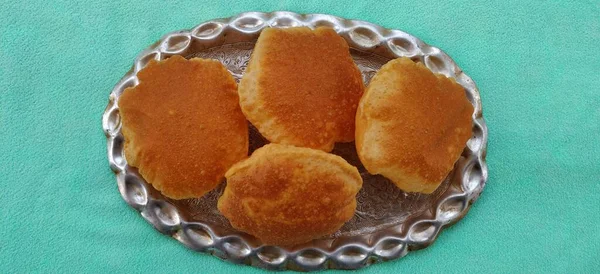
[537, 64]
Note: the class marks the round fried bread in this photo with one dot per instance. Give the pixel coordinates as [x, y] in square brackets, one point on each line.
[302, 87]
[287, 195]
[183, 126]
[412, 125]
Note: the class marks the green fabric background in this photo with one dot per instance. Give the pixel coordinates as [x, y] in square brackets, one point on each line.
[537, 65]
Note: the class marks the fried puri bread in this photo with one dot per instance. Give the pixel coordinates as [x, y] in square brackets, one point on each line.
[412, 125]
[301, 87]
[286, 195]
[183, 126]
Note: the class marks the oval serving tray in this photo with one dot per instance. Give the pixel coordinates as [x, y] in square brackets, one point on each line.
[388, 223]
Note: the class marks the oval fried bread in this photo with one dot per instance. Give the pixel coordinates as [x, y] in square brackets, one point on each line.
[412, 125]
[302, 87]
[183, 126]
[286, 195]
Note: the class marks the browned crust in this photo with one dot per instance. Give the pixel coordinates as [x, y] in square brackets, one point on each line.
[302, 87]
[183, 126]
[286, 195]
[412, 125]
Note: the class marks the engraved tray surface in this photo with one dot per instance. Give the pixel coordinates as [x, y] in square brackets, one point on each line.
[388, 223]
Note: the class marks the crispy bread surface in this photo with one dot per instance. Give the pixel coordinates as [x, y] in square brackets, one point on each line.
[302, 87]
[412, 125]
[183, 126]
[286, 195]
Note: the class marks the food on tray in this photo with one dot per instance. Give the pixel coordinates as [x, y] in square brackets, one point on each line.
[412, 125]
[183, 126]
[287, 195]
[302, 87]
[185, 129]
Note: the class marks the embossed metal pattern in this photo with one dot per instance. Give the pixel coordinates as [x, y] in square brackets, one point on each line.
[388, 222]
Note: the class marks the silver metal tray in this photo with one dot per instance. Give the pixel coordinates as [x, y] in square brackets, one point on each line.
[388, 222]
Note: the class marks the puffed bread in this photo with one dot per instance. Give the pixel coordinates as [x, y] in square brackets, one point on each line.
[183, 126]
[301, 87]
[287, 195]
[412, 125]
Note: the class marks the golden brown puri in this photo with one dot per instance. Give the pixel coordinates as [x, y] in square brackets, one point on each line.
[183, 126]
[286, 195]
[412, 125]
[302, 87]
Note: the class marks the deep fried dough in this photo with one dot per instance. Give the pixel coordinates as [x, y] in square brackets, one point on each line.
[302, 87]
[183, 126]
[286, 195]
[412, 125]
